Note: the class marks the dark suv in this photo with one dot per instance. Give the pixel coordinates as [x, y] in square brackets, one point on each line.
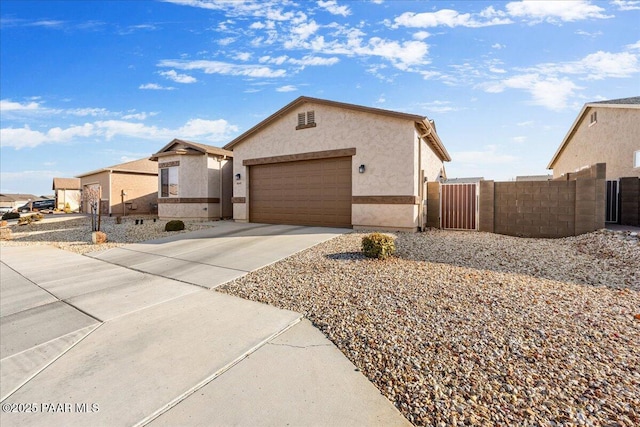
[38, 205]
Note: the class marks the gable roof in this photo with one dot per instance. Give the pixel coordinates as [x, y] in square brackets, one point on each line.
[141, 166]
[66, 184]
[179, 146]
[632, 102]
[425, 127]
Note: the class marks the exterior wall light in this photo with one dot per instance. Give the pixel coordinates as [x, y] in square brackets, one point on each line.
[361, 169]
[238, 177]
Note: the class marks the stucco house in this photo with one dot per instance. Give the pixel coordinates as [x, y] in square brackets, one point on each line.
[9, 202]
[125, 189]
[67, 190]
[327, 163]
[194, 181]
[607, 132]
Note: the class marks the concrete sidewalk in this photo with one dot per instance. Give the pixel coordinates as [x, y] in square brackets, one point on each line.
[99, 344]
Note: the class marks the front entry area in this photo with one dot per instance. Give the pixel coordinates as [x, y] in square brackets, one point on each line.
[307, 192]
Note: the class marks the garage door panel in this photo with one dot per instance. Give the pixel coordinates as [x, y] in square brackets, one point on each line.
[311, 192]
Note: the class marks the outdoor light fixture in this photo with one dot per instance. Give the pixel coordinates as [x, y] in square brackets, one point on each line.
[237, 177]
[361, 169]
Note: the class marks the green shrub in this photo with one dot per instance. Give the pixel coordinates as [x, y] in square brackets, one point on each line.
[37, 217]
[11, 215]
[378, 245]
[174, 225]
[25, 220]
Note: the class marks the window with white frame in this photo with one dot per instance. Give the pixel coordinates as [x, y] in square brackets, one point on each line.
[169, 182]
[636, 159]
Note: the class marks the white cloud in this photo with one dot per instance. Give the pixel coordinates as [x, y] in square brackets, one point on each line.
[242, 56]
[304, 31]
[627, 5]
[332, 7]
[200, 129]
[555, 11]
[519, 139]
[287, 88]
[25, 137]
[489, 156]
[634, 46]
[421, 35]
[218, 67]
[178, 78]
[451, 18]
[310, 60]
[498, 46]
[595, 66]
[549, 92]
[154, 86]
[209, 129]
[8, 105]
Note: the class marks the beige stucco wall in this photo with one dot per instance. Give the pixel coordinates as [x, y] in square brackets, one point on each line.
[199, 176]
[387, 146]
[102, 179]
[72, 197]
[142, 191]
[593, 144]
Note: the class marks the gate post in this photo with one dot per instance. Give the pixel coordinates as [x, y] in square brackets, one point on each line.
[433, 204]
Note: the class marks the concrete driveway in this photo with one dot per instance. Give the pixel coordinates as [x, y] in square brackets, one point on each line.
[87, 341]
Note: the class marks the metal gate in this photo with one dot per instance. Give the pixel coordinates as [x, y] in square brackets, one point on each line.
[612, 201]
[459, 206]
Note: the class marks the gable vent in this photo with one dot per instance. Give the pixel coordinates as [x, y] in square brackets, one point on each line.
[306, 120]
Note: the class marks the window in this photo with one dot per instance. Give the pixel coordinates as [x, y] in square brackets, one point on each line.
[636, 159]
[593, 119]
[169, 182]
[306, 120]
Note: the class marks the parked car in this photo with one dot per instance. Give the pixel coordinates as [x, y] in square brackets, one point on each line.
[38, 205]
[4, 210]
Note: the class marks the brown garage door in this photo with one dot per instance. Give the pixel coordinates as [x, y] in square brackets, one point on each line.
[309, 192]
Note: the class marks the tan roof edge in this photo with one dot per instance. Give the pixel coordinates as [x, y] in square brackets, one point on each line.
[433, 139]
[578, 119]
[203, 148]
[302, 99]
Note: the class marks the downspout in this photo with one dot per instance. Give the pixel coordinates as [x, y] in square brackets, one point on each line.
[220, 210]
[421, 220]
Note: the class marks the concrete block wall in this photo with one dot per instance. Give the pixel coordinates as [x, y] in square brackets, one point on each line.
[630, 201]
[565, 207]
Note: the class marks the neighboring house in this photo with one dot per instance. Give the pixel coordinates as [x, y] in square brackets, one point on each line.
[125, 189]
[326, 163]
[67, 190]
[14, 201]
[195, 181]
[606, 132]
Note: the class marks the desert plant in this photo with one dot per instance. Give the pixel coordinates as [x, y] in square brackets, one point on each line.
[67, 208]
[37, 217]
[25, 220]
[11, 215]
[5, 234]
[118, 220]
[378, 245]
[174, 225]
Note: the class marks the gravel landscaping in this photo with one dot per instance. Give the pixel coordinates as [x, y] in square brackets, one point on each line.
[459, 328]
[466, 328]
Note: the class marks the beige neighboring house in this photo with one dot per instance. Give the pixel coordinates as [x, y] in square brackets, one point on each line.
[607, 132]
[67, 190]
[125, 189]
[325, 163]
[604, 132]
[9, 202]
[194, 181]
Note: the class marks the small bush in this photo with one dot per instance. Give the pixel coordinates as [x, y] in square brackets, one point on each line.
[5, 234]
[37, 217]
[174, 225]
[25, 220]
[378, 245]
[11, 215]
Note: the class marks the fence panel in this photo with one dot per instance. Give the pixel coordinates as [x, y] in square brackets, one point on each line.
[459, 206]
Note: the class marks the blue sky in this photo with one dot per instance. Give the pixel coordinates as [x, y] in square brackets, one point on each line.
[88, 84]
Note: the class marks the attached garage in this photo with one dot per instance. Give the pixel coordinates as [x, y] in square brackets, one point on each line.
[325, 163]
[309, 192]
